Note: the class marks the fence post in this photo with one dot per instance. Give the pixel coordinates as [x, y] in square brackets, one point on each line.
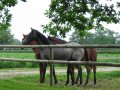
[51, 66]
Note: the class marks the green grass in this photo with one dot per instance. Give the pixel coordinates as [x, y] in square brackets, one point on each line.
[32, 56]
[105, 81]
[18, 55]
[17, 64]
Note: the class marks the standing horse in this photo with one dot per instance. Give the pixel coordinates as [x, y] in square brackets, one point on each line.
[42, 66]
[75, 54]
[90, 55]
[38, 56]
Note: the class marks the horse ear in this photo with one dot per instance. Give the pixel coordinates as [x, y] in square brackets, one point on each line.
[24, 35]
[31, 29]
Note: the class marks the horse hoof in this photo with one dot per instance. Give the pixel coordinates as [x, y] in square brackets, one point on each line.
[56, 82]
[66, 83]
[42, 82]
[85, 84]
[95, 85]
[76, 82]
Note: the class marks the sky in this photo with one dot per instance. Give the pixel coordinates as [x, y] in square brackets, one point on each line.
[31, 14]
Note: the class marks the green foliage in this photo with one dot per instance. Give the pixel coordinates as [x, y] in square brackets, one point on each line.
[5, 36]
[100, 36]
[5, 19]
[80, 15]
[16, 42]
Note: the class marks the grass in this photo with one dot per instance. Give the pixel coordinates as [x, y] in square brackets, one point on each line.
[105, 81]
[18, 55]
[32, 56]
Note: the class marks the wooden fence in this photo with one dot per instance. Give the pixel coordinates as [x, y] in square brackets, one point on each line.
[51, 61]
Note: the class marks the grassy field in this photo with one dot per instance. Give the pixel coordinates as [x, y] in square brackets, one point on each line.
[18, 55]
[32, 56]
[105, 81]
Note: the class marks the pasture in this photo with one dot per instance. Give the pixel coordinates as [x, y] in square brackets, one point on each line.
[30, 55]
[105, 80]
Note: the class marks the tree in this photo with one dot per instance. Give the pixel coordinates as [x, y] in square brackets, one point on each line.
[6, 37]
[16, 42]
[100, 36]
[5, 19]
[5, 16]
[79, 15]
[105, 36]
[86, 39]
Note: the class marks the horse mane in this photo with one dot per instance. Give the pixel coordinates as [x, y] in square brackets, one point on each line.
[41, 37]
[57, 40]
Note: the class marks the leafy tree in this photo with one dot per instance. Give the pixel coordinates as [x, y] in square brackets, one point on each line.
[79, 15]
[6, 37]
[16, 42]
[105, 37]
[5, 19]
[5, 16]
[86, 39]
[100, 36]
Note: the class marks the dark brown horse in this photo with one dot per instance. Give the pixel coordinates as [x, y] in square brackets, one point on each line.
[38, 56]
[42, 66]
[90, 55]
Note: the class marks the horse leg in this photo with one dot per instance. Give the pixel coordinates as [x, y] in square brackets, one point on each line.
[44, 71]
[38, 56]
[88, 68]
[79, 75]
[76, 81]
[72, 74]
[94, 71]
[54, 75]
[68, 71]
[41, 73]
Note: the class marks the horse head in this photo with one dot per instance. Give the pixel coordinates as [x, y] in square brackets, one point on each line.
[30, 38]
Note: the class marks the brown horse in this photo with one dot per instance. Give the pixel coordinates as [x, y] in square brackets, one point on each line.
[42, 66]
[90, 55]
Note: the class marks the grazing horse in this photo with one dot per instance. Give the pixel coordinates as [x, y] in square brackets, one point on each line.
[90, 55]
[68, 54]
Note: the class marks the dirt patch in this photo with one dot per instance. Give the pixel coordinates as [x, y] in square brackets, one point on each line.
[4, 74]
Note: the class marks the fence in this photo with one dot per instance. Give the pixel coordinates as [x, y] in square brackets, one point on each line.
[51, 61]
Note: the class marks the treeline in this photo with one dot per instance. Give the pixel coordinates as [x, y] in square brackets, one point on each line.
[7, 38]
[99, 36]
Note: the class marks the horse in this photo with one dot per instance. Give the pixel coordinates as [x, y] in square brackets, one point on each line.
[57, 40]
[68, 54]
[42, 66]
[90, 55]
